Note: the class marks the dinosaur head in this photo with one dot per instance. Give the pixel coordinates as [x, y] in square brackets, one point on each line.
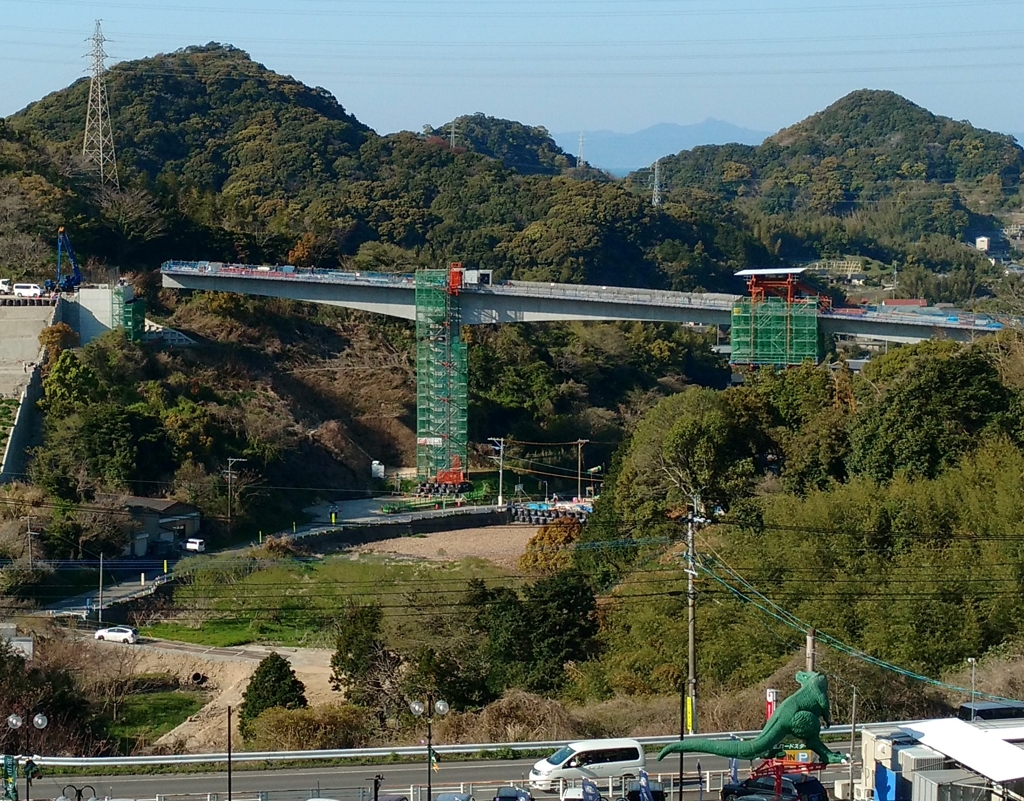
[814, 686]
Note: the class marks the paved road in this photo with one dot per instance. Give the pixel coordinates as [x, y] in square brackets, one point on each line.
[347, 782]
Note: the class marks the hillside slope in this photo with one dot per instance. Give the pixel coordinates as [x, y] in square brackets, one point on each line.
[861, 147]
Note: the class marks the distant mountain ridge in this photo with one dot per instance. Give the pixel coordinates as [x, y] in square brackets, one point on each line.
[621, 153]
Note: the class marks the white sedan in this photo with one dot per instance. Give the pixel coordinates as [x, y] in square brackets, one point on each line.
[123, 634]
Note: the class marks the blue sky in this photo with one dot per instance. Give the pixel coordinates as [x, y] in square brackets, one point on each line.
[566, 64]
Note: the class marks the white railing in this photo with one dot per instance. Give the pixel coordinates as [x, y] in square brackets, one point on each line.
[370, 753]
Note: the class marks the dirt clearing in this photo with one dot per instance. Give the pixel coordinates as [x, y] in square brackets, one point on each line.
[502, 545]
[227, 673]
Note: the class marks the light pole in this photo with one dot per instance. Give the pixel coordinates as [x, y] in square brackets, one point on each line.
[500, 447]
[972, 662]
[232, 461]
[15, 722]
[545, 483]
[427, 711]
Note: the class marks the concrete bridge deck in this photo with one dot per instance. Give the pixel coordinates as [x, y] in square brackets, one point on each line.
[524, 301]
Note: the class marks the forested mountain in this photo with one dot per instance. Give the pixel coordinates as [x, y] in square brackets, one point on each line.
[526, 149]
[212, 118]
[860, 148]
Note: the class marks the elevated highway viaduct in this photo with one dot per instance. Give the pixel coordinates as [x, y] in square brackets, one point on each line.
[529, 302]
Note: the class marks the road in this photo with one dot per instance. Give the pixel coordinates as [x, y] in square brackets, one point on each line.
[355, 782]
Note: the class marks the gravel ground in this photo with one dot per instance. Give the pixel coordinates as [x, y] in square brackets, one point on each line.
[502, 545]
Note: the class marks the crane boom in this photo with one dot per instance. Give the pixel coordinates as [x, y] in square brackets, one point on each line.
[66, 283]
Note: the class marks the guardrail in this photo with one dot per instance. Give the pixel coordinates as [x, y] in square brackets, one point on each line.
[366, 753]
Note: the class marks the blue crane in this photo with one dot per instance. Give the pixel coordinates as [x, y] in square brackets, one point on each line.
[65, 283]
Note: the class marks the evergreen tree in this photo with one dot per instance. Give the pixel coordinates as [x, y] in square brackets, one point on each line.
[273, 684]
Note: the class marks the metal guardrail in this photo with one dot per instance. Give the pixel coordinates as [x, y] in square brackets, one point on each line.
[366, 753]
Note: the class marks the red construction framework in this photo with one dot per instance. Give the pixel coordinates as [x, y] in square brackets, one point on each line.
[790, 287]
[781, 767]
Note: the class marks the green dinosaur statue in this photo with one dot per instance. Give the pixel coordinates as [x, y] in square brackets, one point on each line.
[796, 718]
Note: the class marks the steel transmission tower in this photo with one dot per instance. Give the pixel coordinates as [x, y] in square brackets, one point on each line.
[579, 159]
[656, 191]
[98, 148]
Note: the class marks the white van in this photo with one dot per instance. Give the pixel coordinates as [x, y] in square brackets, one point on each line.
[194, 544]
[5, 286]
[27, 291]
[589, 759]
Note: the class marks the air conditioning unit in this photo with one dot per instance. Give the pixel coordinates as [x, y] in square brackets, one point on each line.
[841, 790]
[919, 758]
[863, 793]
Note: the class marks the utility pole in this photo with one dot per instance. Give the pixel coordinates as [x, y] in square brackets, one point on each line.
[656, 192]
[99, 598]
[452, 140]
[98, 147]
[691, 609]
[973, 662]
[809, 651]
[30, 532]
[232, 461]
[501, 468]
[579, 467]
[579, 158]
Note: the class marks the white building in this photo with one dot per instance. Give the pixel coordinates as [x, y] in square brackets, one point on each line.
[941, 760]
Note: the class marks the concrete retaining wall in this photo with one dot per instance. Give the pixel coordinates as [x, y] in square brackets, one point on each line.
[26, 431]
[361, 535]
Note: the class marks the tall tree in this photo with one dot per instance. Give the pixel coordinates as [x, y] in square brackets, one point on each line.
[273, 684]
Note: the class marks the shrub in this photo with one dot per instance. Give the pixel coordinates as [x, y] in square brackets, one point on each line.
[550, 549]
[321, 727]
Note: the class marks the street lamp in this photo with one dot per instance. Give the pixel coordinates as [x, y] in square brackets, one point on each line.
[545, 483]
[972, 662]
[427, 711]
[15, 722]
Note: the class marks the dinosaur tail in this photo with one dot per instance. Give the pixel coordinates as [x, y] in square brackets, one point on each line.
[734, 749]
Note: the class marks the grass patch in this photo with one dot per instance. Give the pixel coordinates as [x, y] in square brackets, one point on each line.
[144, 718]
[295, 603]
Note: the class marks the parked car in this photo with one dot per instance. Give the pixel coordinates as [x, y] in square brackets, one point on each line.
[576, 794]
[125, 634]
[657, 791]
[28, 291]
[5, 286]
[194, 544]
[453, 797]
[511, 794]
[794, 786]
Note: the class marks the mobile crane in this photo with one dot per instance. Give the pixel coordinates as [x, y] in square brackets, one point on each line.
[65, 283]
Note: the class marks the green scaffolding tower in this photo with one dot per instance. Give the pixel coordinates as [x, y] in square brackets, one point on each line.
[442, 389]
[127, 311]
[774, 331]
